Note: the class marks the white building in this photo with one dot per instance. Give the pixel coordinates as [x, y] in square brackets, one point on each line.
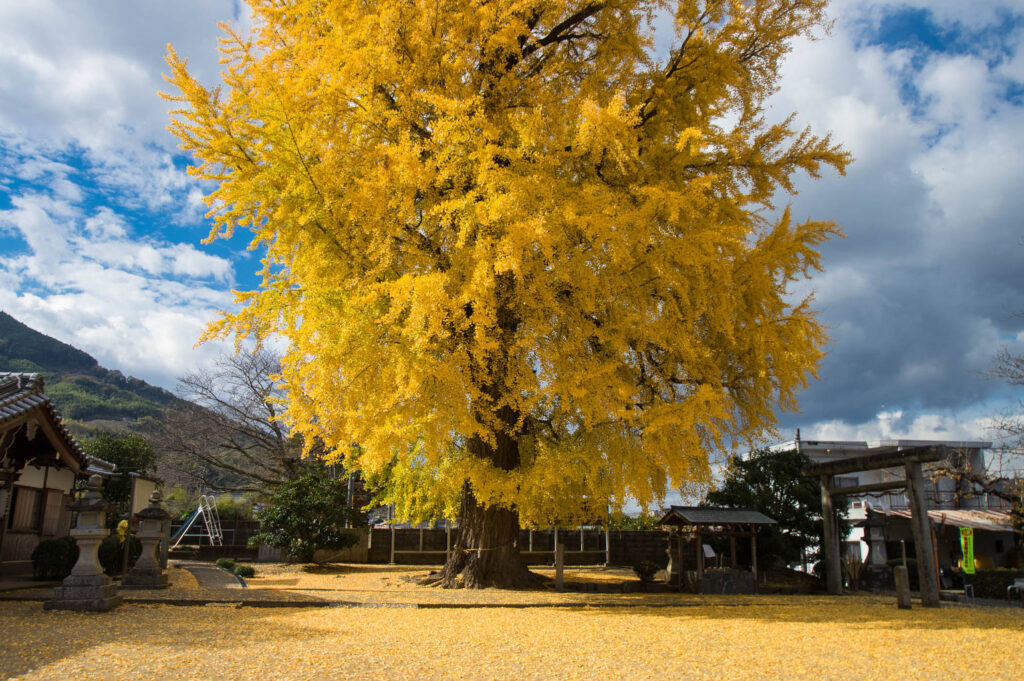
[949, 505]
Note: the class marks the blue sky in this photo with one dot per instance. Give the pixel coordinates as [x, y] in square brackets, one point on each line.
[100, 228]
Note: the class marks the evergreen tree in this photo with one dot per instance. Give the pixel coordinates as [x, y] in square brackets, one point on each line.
[773, 483]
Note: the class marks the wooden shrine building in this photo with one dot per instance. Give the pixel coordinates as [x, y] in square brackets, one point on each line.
[39, 462]
[690, 525]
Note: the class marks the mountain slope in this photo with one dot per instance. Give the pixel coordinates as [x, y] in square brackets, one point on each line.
[79, 387]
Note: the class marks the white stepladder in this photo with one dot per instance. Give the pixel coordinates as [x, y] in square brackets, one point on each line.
[210, 527]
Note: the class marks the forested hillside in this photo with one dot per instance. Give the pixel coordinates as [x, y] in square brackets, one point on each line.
[81, 389]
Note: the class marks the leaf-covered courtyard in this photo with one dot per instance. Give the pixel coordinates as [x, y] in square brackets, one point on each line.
[663, 636]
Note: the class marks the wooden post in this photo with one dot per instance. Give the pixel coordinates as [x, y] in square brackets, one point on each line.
[559, 565]
[607, 545]
[753, 555]
[42, 510]
[5, 513]
[732, 551]
[555, 547]
[919, 523]
[530, 532]
[700, 560]
[164, 540]
[679, 554]
[833, 572]
[581, 539]
[348, 498]
[447, 540]
[392, 559]
[421, 536]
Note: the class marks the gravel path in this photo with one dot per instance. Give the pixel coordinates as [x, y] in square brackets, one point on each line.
[212, 577]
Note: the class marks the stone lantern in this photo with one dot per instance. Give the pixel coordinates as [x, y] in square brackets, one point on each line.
[876, 574]
[874, 537]
[87, 587]
[147, 573]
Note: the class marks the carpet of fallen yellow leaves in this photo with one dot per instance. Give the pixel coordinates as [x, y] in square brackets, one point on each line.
[733, 638]
[399, 584]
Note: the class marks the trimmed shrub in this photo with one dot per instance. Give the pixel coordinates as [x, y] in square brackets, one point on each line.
[226, 564]
[992, 583]
[54, 558]
[111, 553]
[645, 570]
[245, 571]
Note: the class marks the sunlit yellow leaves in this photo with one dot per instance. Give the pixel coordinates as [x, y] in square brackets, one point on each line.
[740, 638]
[510, 218]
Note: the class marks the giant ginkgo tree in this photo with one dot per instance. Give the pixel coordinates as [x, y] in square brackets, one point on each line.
[520, 256]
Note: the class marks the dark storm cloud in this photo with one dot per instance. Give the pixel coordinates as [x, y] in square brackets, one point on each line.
[925, 288]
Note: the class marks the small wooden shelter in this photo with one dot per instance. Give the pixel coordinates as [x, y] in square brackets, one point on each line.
[694, 523]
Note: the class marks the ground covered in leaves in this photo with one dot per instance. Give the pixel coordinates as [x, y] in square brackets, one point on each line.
[565, 636]
[804, 639]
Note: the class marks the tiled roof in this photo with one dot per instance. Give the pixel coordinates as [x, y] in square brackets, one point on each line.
[694, 515]
[21, 393]
[979, 519]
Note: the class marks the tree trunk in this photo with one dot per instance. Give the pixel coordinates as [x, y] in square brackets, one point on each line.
[486, 551]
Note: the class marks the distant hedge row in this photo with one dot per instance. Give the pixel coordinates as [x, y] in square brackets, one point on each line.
[992, 583]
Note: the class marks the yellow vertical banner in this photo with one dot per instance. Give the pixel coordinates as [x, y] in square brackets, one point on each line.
[967, 549]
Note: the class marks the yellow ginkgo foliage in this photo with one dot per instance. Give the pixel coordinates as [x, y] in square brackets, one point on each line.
[518, 256]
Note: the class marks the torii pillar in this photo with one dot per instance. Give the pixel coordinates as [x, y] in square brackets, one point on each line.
[921, 527]
[833, 570]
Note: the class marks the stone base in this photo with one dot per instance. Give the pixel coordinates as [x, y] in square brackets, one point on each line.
[152, 578]
[94, 593]
[876, 578]
[727, 581]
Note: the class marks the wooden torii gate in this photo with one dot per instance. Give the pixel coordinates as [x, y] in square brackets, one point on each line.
[910, 458]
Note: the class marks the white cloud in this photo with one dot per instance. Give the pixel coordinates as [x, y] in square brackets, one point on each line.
[959, 87]
[44, 235]
[82, 123]
[105, 224]
[136, 304]
[974, 15]
[900, 425]
[189, 261]
[85, 77]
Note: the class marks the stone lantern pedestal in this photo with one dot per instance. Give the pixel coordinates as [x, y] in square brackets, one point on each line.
[87, 587]
[147, 573]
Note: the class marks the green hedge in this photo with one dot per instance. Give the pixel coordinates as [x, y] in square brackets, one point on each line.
[915, 581]
[54, 558]
[245, 571]
[111, 553]
[645, 570]
[992, 583]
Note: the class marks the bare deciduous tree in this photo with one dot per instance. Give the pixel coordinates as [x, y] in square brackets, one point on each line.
[228, 438]
[1000, 474]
